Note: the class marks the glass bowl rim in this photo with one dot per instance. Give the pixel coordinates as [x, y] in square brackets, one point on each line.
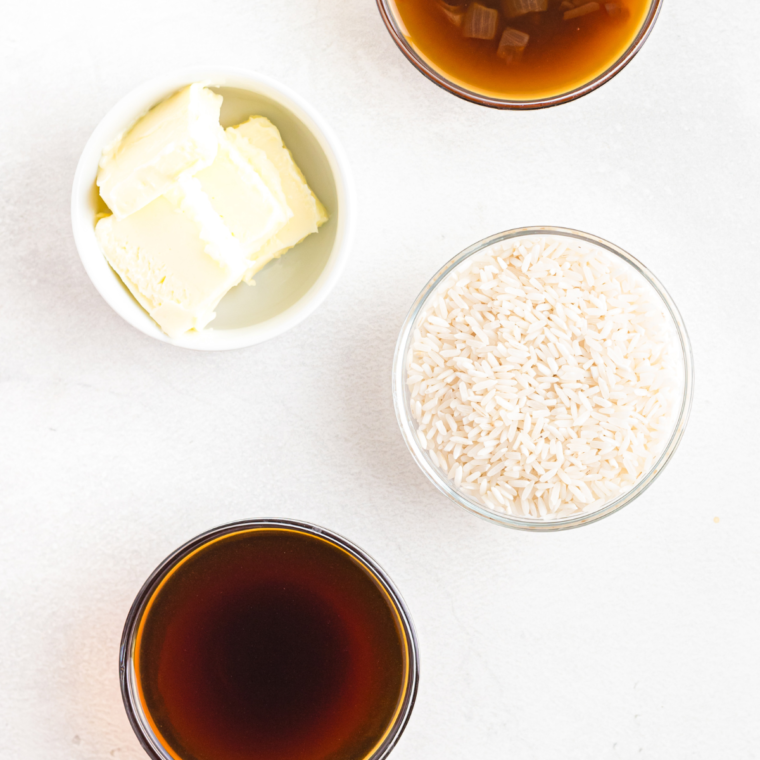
[388, 14]
[438, 477]
[149, 742]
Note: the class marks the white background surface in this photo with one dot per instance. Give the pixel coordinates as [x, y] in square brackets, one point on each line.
[636, 637]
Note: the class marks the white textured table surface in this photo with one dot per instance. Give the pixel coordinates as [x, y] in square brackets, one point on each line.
[636, 637]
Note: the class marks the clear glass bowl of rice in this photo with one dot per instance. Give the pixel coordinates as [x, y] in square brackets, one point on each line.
[543, 378]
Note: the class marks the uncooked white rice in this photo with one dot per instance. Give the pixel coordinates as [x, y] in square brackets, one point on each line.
[542, 377]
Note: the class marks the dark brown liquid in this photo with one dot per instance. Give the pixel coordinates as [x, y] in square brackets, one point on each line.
[271, 644]
[559, 55]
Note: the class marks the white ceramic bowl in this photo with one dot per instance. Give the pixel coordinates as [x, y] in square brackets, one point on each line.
[288, 289]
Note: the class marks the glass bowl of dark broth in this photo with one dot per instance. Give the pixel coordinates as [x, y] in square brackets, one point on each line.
[519, 54]
[268, 640]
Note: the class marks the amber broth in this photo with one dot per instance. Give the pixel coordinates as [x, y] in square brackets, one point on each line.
[560, 55]
[271, 645]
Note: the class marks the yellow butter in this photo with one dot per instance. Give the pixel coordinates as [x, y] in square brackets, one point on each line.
[258, 138]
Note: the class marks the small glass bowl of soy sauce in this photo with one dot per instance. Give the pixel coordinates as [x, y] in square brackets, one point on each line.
[272, 640]
[519, 54]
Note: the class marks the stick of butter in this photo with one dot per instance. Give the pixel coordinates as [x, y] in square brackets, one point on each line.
[176, 256]
[176, 138]
[260, 142]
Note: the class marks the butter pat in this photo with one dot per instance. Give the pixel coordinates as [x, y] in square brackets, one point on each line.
[176, 256]
[251, 211]
[260, 142]
[176, 138]
[196, 209]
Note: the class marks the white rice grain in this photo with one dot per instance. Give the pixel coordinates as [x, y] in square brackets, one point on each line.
[542, 377]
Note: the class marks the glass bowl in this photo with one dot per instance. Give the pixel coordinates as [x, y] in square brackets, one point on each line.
[408, 425]
[396, 28]
[143, 725]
